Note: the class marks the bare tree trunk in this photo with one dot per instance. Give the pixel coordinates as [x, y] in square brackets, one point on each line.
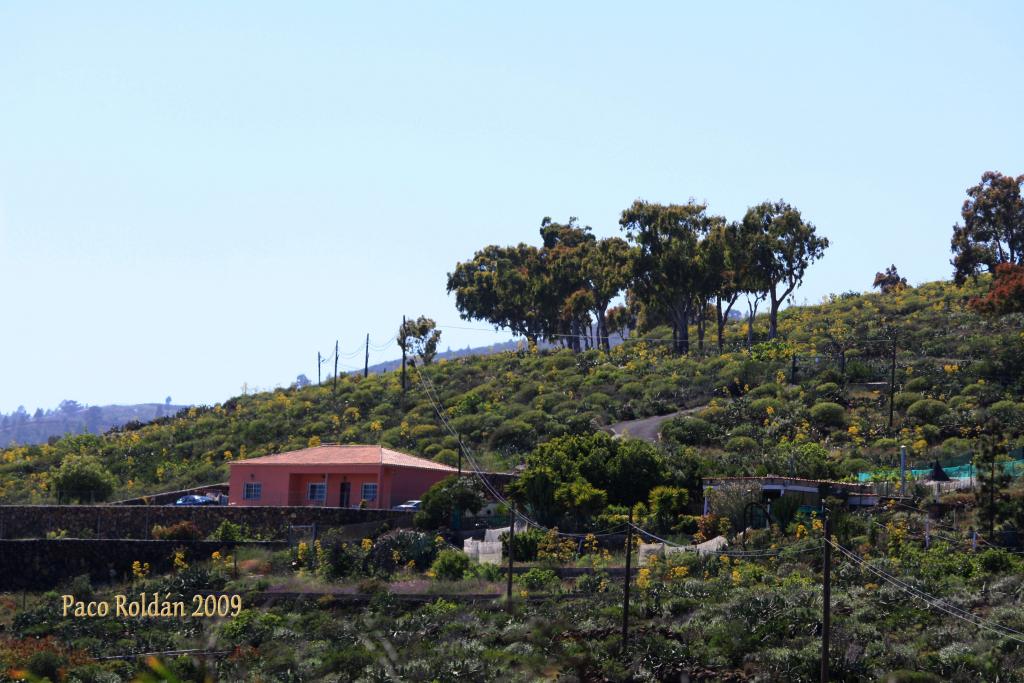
[752, 313]
[701, 321]
[602, 330]
[773, 316]
[684, 330]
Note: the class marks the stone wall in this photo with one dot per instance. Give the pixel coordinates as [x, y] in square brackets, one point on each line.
[137, 521]
[43, 564]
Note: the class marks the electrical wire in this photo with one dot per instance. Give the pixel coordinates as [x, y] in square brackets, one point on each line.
[931, 600]
[810, 545]
[478, 471]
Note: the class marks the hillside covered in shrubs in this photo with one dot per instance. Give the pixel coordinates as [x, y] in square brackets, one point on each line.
[819, 391]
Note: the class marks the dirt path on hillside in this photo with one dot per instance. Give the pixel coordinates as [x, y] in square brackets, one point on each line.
[647, 428]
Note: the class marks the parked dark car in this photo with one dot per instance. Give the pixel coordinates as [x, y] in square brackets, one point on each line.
[410, 505]
[195, 500]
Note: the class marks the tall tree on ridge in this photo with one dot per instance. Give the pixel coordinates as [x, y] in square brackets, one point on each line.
[505, 287]
[993, 228]
[785, 245]
[666, 259]
[606, 267]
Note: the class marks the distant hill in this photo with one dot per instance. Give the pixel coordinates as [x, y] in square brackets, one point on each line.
[20, 427]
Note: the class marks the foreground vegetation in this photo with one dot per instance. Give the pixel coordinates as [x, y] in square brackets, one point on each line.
[755, 617]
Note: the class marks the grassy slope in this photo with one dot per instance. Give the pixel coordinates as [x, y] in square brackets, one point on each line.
[504, 404]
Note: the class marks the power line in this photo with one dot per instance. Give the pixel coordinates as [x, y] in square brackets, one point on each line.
[478, 471]
[930, 600]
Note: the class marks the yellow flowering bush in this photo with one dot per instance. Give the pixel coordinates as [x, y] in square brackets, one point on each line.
[180, 564]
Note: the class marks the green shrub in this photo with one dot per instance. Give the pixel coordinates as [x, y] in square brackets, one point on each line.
[454, 492]
[828, 415]
[769, 390]
[592, 583]
[229, 532]
[962, 403]
[689, 431]
[525, 544]
[1008, 414]
[828, 391]
[538, 579]
[927, 411]
[758, 408]
[447, 456]
[917, 384]
[46, 664]
[450, 565]
[741, 444]
[995, 560]
[487, 571]
[688, 524]
[395, 549]
[905, 399]
[250, 627]
[83, 478]
[512, 436]
[984, 392]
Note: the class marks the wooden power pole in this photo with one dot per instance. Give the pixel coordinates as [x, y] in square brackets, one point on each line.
[366, 360]
[335, 389]
[625, 585]
[319, 362]
[826, 597]
[511, 545]
[402, 334]
[892, 381]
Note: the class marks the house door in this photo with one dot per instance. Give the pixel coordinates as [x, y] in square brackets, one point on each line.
[346, 493]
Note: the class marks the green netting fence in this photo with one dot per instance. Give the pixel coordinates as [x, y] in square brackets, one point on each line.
[1013, 468]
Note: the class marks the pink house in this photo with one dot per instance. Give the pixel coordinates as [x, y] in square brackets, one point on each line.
[334, 476]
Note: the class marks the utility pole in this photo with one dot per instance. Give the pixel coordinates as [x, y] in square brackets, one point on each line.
[826, 599]
[319, 362]
[992, 499]
[366, 361]
[511, 545]
[335, 389]
[625, 585]
[892, 380]
[402, 334]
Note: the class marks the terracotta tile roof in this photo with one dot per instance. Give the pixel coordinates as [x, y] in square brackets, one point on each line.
[335, 454]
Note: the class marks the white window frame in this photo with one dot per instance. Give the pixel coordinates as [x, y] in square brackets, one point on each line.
[321, 486]
[369, 486]
[252, 490]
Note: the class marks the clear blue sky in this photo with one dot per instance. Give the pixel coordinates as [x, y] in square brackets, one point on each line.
[197, 195]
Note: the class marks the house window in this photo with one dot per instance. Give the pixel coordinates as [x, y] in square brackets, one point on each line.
[317, 492]
[253, 490]
[369, 492]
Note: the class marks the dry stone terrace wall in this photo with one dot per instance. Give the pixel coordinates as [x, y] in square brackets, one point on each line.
[42, 565]
[136, 521]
